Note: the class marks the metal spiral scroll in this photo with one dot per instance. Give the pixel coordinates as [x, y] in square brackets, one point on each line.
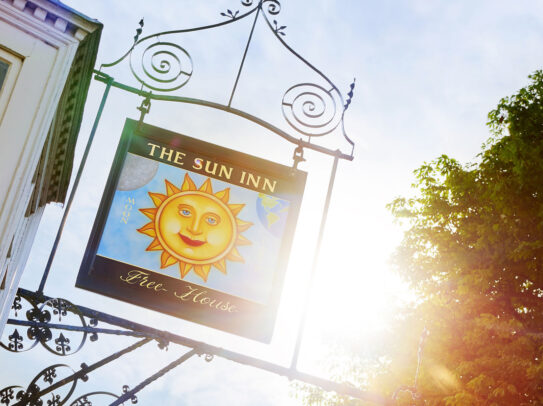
[311, 109]
[274, 7]
[161, 66]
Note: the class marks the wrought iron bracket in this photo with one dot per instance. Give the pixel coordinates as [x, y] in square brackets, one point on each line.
[130, 328]
[162, 65]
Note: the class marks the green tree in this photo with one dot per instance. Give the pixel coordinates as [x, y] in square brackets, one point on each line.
[473, 251]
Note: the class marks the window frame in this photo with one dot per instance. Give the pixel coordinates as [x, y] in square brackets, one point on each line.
[14, 62]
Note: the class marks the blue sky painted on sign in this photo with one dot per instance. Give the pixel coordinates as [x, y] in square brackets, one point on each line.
[427, 74]
[252, 279]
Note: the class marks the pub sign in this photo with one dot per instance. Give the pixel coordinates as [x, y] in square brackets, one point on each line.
[194, 230]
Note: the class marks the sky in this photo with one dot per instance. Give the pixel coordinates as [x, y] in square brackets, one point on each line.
[427, 74]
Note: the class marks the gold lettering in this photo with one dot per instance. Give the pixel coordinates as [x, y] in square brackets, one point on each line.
[258, 182]
[255, 181]
[179, 157]
[198, 163]
[140, 278]
[225, 172]
[200, 297]
[214, 167]
[153, 146]
[267, 183]
[185, 296]
[168, 154]
[196, 296]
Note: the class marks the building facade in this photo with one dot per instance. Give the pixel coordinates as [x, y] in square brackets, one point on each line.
[47, 54]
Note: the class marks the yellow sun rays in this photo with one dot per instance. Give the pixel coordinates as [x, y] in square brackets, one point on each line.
[185, 262]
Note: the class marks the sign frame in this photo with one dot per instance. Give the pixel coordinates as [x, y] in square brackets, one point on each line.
[177, 297]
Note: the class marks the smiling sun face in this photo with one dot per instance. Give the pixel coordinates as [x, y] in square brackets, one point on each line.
[195, 228]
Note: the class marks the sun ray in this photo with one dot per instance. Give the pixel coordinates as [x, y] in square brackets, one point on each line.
[157, 198]
[241, 240]
[151, 212]
[206, 187]
[236, 208]
[188, 184]
[184, 268]
[202, 271]
[154, 246]
[243, 225]
[171, 222]
[166, 259]
[221, 265]
[234, 255]
[223, 195]
[148, 229]
[171, 189]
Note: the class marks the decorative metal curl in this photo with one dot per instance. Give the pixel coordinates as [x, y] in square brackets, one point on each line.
[94, 336]
[62, 344]
[17, 342]
[31, 396]
[274, 6]
[161, 66]
[8, 394]
[164, 66]
[311, 109]
[41, 334]
[84, 400]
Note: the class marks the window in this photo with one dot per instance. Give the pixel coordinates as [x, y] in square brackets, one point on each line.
[3, 72]
[10, 65]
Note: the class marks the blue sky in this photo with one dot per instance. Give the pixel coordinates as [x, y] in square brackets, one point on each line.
[427, 73]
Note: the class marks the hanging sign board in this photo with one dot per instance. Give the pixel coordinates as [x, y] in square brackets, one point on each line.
[194, 230]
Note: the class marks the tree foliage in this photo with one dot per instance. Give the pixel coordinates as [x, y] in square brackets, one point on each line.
[473, 251]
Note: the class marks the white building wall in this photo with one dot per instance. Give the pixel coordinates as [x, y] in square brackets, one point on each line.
[43, 38]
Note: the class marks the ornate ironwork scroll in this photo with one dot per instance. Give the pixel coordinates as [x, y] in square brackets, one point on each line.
[93, 398]
[162, 66]
[45, 379]
[311, 109]
[163, 339]
[39, 318]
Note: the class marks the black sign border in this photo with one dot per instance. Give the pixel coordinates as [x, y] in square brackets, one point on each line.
[257, 321]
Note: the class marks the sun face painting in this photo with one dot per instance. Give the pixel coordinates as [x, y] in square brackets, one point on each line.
[195, 228]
